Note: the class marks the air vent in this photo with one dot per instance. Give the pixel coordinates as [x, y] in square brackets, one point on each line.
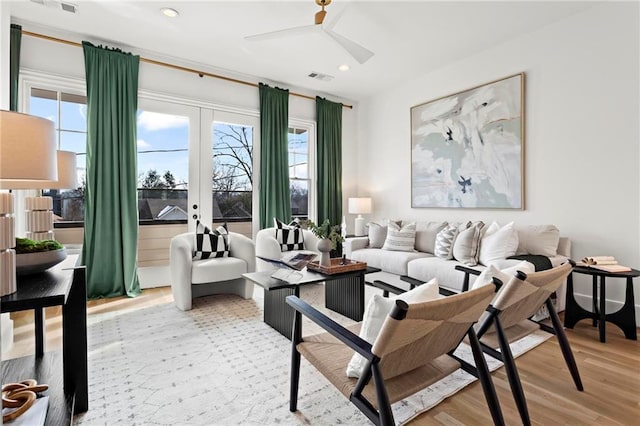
[320, 76]
[56, 4]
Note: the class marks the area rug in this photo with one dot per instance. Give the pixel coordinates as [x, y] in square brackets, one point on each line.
[220, 364]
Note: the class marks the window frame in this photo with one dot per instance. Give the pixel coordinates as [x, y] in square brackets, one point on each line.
[310, 127]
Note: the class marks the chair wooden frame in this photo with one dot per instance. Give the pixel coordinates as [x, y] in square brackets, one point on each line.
[383, 414]
[493, 318]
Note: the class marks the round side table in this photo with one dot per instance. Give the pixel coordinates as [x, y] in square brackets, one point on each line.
[625, 318]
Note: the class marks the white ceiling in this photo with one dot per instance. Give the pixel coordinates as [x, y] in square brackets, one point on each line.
[409, 38]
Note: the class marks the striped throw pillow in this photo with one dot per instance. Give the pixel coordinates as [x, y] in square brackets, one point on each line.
[289, 236]
[444, 241]
[211, 243]
[400, 239]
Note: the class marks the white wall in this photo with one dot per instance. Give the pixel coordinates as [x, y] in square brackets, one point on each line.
[582, 134]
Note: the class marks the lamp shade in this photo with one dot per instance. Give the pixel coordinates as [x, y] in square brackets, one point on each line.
[359, 205]
[67, 174]
[27, 150]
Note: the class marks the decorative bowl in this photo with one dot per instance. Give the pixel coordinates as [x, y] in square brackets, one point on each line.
[32, 263]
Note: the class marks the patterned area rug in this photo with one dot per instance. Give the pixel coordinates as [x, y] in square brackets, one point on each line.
[220, 364]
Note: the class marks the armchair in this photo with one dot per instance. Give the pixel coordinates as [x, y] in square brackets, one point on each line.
[267, 246]
[194, 278]
[413, 350]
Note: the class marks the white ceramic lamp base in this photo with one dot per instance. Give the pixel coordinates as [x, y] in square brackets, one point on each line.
[7, 242]
[359, 230]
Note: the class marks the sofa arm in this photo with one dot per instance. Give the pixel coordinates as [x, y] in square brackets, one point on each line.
[243, 248]
[564, 247]
[267, 246]
[352, 244]
[180, 260]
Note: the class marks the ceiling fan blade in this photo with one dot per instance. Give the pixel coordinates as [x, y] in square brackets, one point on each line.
[295, 31]
[358, 52]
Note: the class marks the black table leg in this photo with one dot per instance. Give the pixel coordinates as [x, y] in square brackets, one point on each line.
[346, 296]
[74, 342]
[594, 299]
[277, 313]
[40, 327]
[574, 312]
[625, 318]
[603, 301]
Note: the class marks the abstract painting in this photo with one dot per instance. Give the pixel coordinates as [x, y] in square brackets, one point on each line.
[467, 149]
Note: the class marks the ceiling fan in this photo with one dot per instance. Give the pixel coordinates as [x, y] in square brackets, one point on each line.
[359, 53]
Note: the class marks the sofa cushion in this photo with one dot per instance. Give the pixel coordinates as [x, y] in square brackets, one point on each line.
[290, 237]
[394, 262]
[217, 269]
[444, 271]
[538, 239]
[504, 275]
[211, 243]
[444, 241]
[498, 243]
[377, 234]
[466, 247]
[400, 238]
[377, 311]
[426, 235]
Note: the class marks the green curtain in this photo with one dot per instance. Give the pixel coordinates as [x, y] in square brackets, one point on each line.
[274, 193]
[329, 121]
[111, 205]
[14, 65]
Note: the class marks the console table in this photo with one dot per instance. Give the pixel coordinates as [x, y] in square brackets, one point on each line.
[625, 318]
[62, 285]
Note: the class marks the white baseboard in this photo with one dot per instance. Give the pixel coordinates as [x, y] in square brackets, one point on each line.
[585, 301]
[154, 276]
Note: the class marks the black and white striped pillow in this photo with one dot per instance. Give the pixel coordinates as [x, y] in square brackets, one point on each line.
[211, 243]
[289, 236]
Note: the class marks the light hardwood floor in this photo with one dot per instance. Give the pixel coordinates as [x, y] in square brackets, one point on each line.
[610, 373]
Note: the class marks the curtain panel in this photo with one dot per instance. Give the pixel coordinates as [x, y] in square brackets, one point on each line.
[14, 65]
[274, 192]
[111, 205]
[329, 137]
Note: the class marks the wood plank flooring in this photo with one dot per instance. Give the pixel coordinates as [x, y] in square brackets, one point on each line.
[610, 373]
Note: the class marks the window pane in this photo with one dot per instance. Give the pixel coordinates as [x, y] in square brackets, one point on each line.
[232, 180]
[163, 166]
[45, 107]
[71, 141]
[73, 116]
[299, 198]
[298, 153]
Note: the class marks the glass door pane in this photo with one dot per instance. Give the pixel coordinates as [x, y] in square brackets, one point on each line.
[232, 170]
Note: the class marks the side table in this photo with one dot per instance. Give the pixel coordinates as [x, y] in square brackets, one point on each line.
[62, 285]
[625, 318]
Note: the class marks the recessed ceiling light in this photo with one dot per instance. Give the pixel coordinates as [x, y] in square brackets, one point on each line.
[344, 67]
[171, 13]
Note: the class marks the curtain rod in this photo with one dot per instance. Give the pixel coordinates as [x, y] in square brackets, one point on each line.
[172, 66]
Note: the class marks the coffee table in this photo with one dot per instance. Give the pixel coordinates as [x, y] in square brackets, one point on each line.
[344, 293]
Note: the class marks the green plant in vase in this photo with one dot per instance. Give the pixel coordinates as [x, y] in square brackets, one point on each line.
[329, 237]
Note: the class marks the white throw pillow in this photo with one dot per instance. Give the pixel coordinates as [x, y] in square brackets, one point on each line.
[504, 275]
[426, 235]
[467, 244]
[400, 239]
[444, 241]
[538, 239]
[377, 235]
[377, 311]
[498, 243]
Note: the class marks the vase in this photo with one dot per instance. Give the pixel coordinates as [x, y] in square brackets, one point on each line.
[324, 247]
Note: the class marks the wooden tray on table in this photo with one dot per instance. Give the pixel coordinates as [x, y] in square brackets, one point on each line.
[338, 266]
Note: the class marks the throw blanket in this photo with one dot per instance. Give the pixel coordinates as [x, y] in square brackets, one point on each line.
[540, 262]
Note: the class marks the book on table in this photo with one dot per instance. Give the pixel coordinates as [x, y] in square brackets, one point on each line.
[603, 263]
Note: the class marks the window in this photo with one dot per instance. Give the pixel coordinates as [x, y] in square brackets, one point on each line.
[68, 112]
[299, 180]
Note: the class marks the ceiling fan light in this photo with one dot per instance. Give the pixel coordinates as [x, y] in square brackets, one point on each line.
[344, 67]
[169, 12]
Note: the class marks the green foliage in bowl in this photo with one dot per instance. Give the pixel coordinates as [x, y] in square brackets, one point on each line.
[25, 245]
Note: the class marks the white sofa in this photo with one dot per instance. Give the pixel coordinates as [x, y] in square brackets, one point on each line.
[267, 246]
[221, 275]
[423, 265]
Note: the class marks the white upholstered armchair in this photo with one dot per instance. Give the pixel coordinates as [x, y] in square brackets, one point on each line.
[268, 246]
[192, 278]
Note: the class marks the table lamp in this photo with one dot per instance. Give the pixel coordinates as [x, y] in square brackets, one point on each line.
[359, 206]
[27, 157]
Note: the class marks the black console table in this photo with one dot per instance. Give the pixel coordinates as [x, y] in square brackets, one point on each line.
[63, 285]
[625, 318]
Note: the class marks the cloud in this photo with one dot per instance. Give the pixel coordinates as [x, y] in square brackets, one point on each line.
[153, 121]
[142, 144]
